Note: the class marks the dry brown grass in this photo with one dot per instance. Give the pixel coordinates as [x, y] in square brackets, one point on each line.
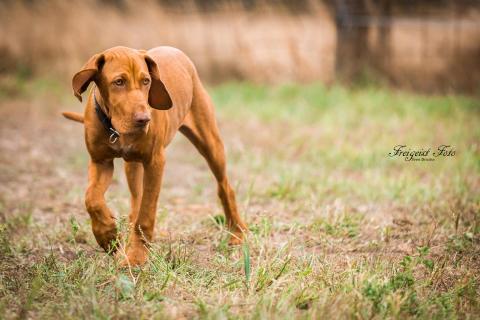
[60, 36]
[267, 44]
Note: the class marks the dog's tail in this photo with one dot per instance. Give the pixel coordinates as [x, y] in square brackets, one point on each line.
[73, 116]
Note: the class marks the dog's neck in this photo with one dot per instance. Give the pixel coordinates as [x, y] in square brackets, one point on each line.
[100, 102]
[104, 118]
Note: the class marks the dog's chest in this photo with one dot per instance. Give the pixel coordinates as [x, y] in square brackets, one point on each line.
[127, 151]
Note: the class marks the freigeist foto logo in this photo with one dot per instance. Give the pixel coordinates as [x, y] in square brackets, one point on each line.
[421, 154]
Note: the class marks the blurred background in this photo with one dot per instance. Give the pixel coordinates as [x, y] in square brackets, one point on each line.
[431, 46]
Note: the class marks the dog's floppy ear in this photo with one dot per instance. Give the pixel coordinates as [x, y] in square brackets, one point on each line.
[82, 78]
[158, 97]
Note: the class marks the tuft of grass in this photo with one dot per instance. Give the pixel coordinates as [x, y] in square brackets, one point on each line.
[247, 268]
[345, 225]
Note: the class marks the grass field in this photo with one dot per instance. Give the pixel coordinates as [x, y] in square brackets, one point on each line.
[338, 228]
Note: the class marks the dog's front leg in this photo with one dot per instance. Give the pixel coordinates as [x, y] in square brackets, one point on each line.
[142, 231]
[103, 223]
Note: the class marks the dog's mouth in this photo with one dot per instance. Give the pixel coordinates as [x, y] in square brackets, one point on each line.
[137, 129]
[140, 125]
[133, 129]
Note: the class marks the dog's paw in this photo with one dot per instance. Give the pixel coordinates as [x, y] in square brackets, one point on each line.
[237, 234]
[106, 237]
[136, 255]
[236, 239]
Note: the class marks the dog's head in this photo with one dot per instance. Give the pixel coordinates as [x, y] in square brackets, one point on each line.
[129, 82]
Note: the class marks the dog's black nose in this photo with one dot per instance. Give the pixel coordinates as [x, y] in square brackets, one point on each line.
[141, 118]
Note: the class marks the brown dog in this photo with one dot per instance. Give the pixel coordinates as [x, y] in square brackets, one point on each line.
[139, 101]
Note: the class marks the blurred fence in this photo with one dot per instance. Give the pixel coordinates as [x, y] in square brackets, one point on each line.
[423, 45]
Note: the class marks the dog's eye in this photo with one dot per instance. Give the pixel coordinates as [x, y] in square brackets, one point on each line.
[119, 82]
[146, 81]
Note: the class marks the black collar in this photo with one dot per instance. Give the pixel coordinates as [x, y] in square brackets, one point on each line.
[105, 120]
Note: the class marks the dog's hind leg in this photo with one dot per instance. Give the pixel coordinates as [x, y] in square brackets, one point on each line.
[201, 129]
